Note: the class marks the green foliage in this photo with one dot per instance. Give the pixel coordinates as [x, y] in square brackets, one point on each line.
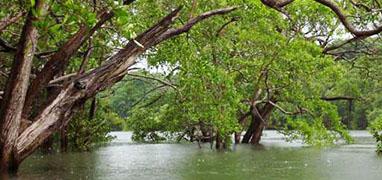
[85, 132]
[218, 68]
[375, 129]
[222, 67]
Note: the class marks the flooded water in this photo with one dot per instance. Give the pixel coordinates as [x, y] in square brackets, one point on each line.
[276, 159]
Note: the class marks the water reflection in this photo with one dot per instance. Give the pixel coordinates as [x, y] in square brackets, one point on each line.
[276, 159]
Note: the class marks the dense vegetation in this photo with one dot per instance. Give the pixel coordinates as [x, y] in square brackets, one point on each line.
[68, 72]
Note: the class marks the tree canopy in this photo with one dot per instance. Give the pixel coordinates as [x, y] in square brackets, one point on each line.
[228, 66]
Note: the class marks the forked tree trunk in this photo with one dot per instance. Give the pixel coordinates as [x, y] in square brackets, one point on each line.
[257, 125]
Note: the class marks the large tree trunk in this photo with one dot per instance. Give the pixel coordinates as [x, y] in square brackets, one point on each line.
[16, 147]
[17, 85]
[248, 134]
[255, 130]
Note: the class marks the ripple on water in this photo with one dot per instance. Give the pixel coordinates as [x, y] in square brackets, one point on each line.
[275, 159]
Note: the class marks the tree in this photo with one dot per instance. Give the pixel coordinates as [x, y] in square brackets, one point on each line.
[16, 144]
[243, 73]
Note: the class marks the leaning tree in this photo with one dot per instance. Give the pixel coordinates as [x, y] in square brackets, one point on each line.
[26, 121]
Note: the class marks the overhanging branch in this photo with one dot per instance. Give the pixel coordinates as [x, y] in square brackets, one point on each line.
[344, 20]
[336, 98]
[5, 22]
[186, 27]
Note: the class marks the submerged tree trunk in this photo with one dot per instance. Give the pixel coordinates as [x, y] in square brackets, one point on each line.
[220, 144]
[47, 147]
[64, 139]
[255, 129]
[248, 134]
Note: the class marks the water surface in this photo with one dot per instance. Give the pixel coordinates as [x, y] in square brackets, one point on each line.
[276, 159]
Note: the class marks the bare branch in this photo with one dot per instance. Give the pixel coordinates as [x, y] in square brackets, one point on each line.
[336, 98]
[342, 17]
[155, 79]
[300, 110]
[5, 22]
[146, 94]
[63, 78]
[59, 60]
[185, 28]
[86, 58]
[276, 4]
[6, 47]
[219, 32]
[361, 5]
[334, 47]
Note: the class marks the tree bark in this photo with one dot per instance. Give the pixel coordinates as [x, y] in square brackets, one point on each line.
[58, 112]
[260, 123]
[58, 61]
[93, 108]
[219, 142]
[64, 139]
[5, 22]
[257, 125]
[17, 85]
[248, 134]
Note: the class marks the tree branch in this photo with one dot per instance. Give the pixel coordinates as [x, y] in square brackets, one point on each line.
[86, 57]
[361, 5]
[336, 98]
[185, 28]
[300, 111]
[60, 60]
[334, 47]
[5, 22]
[155, 79]
[6, 47]
[145, 95]
[88, 84]
[219, 32]
[342, 17]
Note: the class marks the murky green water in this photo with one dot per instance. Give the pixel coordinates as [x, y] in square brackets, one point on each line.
[276, 159]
